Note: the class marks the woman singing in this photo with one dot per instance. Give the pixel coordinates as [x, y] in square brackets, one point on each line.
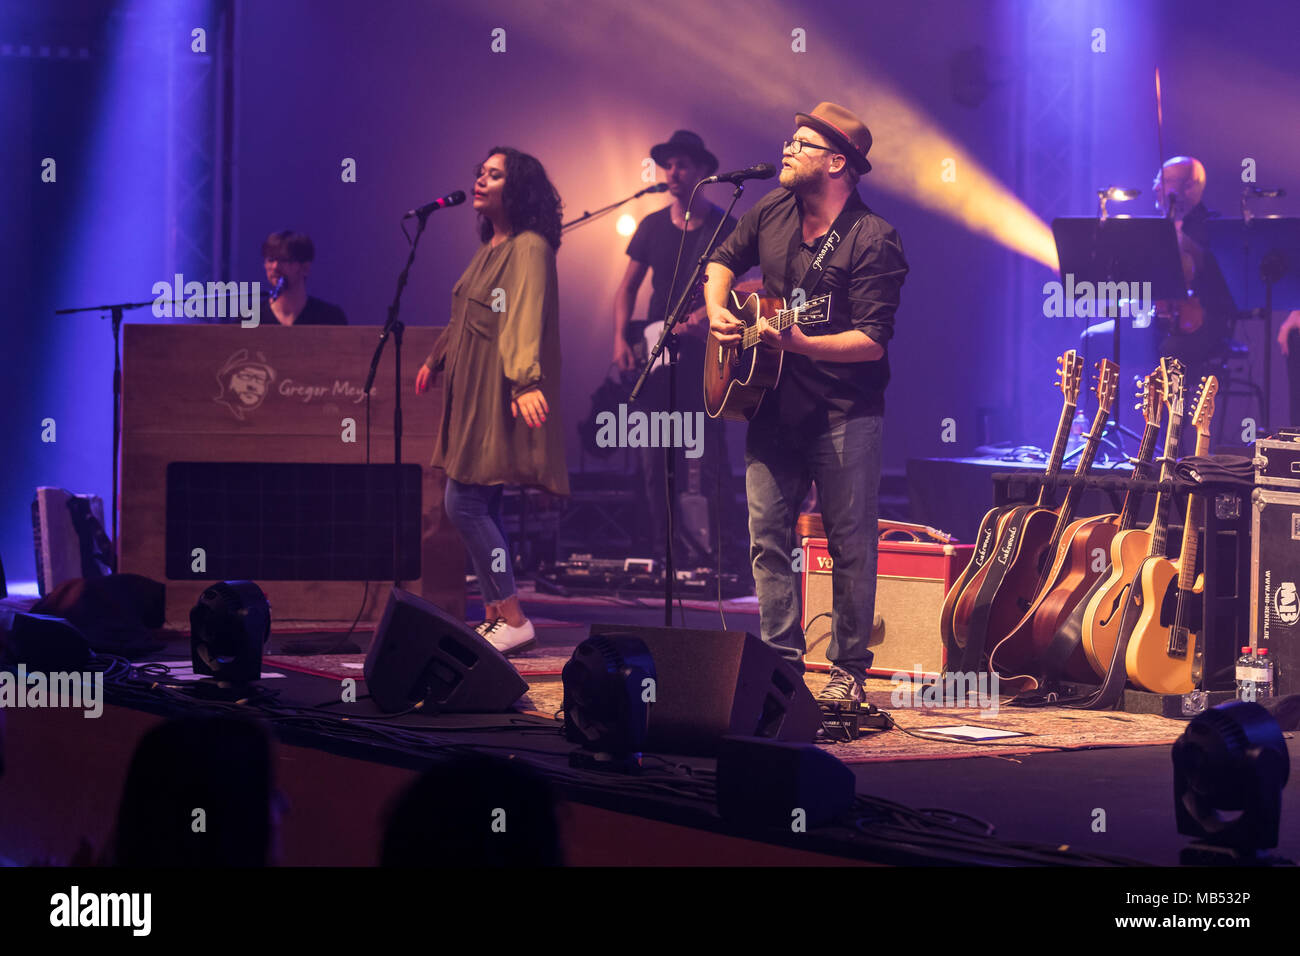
[500, 356]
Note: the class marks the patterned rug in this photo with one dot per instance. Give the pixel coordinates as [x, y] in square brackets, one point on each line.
[1043, 728]
[1055, 728]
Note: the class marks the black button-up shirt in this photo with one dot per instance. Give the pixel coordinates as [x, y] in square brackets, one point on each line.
[864, 278]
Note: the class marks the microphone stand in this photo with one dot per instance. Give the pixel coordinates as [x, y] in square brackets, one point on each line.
[674, 316]
[115, 312]
[588, 216]
[394, 327]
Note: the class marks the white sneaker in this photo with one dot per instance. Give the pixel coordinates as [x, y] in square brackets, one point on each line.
[482, 629]
[511, 640]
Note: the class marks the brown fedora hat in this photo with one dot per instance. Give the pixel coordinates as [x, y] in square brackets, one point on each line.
[843, 129]
[684, 141]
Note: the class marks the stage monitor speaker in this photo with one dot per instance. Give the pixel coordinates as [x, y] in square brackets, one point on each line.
[766, 783]
[421, 654]
[713, 683]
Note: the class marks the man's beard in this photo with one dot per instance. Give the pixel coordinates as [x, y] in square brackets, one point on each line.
[794, 180]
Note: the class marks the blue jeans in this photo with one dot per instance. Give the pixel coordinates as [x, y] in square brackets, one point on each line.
[475, 510]
[780, 465]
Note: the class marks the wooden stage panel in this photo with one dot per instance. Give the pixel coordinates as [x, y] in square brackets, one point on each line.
[274, 394]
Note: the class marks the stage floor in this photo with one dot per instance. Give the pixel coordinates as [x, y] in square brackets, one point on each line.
[1047, 788]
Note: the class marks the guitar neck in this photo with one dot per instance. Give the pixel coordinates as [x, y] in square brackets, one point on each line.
[1160, 521]
[1128, 514]
[1058, 450]
[1086, 458]
[783, 319]
[1195, 512]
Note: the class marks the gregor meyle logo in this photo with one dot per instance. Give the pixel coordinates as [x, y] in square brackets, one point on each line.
[244, 380]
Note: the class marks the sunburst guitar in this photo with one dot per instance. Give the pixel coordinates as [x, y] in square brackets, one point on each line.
[737, 377]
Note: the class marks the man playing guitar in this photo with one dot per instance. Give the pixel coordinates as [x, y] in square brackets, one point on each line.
[822, 421]
[654, 248]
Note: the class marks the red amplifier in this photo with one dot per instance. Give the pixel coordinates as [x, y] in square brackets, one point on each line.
[913, 578]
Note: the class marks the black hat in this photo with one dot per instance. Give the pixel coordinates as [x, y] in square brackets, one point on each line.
[684, 141]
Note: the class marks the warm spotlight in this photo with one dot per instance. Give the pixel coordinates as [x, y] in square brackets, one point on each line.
[626, 225]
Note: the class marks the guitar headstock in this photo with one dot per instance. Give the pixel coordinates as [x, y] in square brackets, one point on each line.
[1069, 376]
[1171, 371]
[1151, 394]
[1107, 385]
[1205, 406]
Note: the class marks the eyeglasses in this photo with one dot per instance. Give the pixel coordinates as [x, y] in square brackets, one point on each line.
[795, 145]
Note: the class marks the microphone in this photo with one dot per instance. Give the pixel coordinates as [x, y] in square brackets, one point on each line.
[761, 171]
[1266, 193]
[656, 188]
[455, 199]
[276, 289]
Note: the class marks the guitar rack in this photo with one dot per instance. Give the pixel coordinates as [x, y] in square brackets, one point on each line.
[1225, 559]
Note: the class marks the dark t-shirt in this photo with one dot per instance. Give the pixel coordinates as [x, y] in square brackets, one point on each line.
[655, 243]
[864, 278]
[317, 312]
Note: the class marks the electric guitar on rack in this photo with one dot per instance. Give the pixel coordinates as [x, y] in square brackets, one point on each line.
[1164, 647]
[736, 377]
[1034, 558]
[1099, 624]
[955, 629]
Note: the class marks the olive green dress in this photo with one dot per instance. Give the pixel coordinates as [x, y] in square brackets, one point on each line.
[503, 340]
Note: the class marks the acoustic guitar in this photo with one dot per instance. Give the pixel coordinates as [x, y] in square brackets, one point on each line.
[736, 377]
[1069, 376]
[1164, 649]
[1100, 620]
[1085, 544]
[1033, 558]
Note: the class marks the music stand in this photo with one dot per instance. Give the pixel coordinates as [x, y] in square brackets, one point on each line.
[1269, 247]
[1120, 249]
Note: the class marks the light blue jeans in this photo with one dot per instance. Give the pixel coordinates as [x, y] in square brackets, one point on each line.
[475, 510]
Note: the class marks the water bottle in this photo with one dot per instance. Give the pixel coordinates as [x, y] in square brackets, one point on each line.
[1263, 675]
[1246, 675]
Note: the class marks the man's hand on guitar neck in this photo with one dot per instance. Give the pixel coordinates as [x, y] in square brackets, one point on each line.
[791, 339]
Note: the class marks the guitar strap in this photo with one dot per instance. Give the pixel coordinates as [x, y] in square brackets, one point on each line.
[848, 219]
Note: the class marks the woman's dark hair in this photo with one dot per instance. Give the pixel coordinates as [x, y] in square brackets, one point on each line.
[220, 765]
[531, 201]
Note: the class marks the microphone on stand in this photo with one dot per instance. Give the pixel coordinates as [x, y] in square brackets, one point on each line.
[656, 188]
[760, 171]
[276, 289]
[455, 199]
